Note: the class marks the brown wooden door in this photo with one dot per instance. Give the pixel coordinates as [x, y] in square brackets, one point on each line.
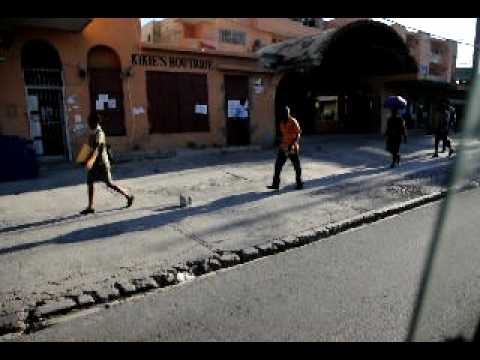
[172, 99]
[238, 129]
[108, 82]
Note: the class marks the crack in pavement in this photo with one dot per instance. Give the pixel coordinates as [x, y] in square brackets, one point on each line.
[191, 236]
[236, 176]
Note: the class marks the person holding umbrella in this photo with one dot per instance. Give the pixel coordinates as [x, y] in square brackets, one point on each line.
[395, 128]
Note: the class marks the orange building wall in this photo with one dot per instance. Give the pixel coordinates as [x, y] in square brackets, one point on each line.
[206, 31]
[261, 105]
[122, 35]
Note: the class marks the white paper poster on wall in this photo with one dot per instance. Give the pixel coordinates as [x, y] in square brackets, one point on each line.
[138, 110]
[232, 107]
[112, 103]
[103, 97]
[32, 103]
[78, 118]
[38, 146]
[99, 105]
[201, 109]
[258, 86]
[242, 112]
[36, 126]
[72, 99]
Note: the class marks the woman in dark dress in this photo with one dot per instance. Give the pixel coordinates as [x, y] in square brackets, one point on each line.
[395, 131]
[98, 165]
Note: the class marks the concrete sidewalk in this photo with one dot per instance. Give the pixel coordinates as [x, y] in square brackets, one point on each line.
[360, 285]
[47, 250]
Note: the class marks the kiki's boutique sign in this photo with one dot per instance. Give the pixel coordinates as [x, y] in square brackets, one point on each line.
[171, 62]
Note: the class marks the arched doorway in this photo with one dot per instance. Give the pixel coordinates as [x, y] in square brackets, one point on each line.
[293, 91]
[331, 80]
[43, 77]
[106, 88]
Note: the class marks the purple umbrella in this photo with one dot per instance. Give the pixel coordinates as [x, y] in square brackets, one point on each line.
[395, 102]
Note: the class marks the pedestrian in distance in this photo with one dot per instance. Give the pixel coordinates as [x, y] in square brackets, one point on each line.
[98, 165]
[442, 128]
[453, 118]
[396, 129]
[289, 149]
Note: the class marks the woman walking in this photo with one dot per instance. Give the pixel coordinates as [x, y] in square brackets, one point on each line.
[395, 129]
[98, 165]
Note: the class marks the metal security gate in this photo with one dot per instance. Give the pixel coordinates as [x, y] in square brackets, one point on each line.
[46, 113]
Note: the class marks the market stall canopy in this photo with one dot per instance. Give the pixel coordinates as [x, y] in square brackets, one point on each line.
[428, 88]
[306, 51]
[364, 38]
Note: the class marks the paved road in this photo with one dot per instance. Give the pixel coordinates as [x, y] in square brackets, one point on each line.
[40, 233]
[356, 286]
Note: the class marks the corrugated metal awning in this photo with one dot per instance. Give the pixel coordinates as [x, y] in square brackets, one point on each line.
[311, 51]
[295, 53]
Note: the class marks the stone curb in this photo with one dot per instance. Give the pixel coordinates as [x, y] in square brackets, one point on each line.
[37, 317]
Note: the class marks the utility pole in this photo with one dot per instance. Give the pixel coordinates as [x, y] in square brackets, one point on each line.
[475, 49]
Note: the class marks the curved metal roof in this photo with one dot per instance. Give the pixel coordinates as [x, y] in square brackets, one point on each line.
[309, 51]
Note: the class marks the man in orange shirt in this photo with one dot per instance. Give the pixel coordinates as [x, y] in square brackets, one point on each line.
[289, 148]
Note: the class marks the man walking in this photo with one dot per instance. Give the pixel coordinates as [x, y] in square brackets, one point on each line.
[289, 148]
[442, 129]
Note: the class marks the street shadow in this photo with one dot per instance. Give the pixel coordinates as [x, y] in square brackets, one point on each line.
[343, 150]
[73, 176]
[168, 215]
[172, 213]
[42, 224]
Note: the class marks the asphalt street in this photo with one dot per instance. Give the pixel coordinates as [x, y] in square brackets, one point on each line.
[356, 286]
[40, 232]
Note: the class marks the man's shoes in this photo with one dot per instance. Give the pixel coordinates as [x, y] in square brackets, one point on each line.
[130, 200]
[450, 152]
[87, 211]
[299, 186]
[435, 155]
[272, 187]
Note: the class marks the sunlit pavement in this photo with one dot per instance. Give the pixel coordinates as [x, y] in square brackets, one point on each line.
[46, 248]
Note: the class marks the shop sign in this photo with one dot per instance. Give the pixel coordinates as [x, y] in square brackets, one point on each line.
[175, 62]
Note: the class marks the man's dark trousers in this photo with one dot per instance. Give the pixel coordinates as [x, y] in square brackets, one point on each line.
[446, 142]
[281, 159]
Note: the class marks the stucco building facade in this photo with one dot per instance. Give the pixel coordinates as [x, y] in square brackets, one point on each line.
[188, 82]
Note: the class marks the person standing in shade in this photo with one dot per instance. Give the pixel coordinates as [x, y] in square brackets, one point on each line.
[289, 148]
[395, 131]
[98, 165]
[453, 118]
[442, 129]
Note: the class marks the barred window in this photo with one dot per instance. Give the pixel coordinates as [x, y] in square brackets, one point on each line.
[233, 37]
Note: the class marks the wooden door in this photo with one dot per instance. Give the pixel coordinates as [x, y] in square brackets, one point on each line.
[172, 101]
[108, 82]
[238, 128]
